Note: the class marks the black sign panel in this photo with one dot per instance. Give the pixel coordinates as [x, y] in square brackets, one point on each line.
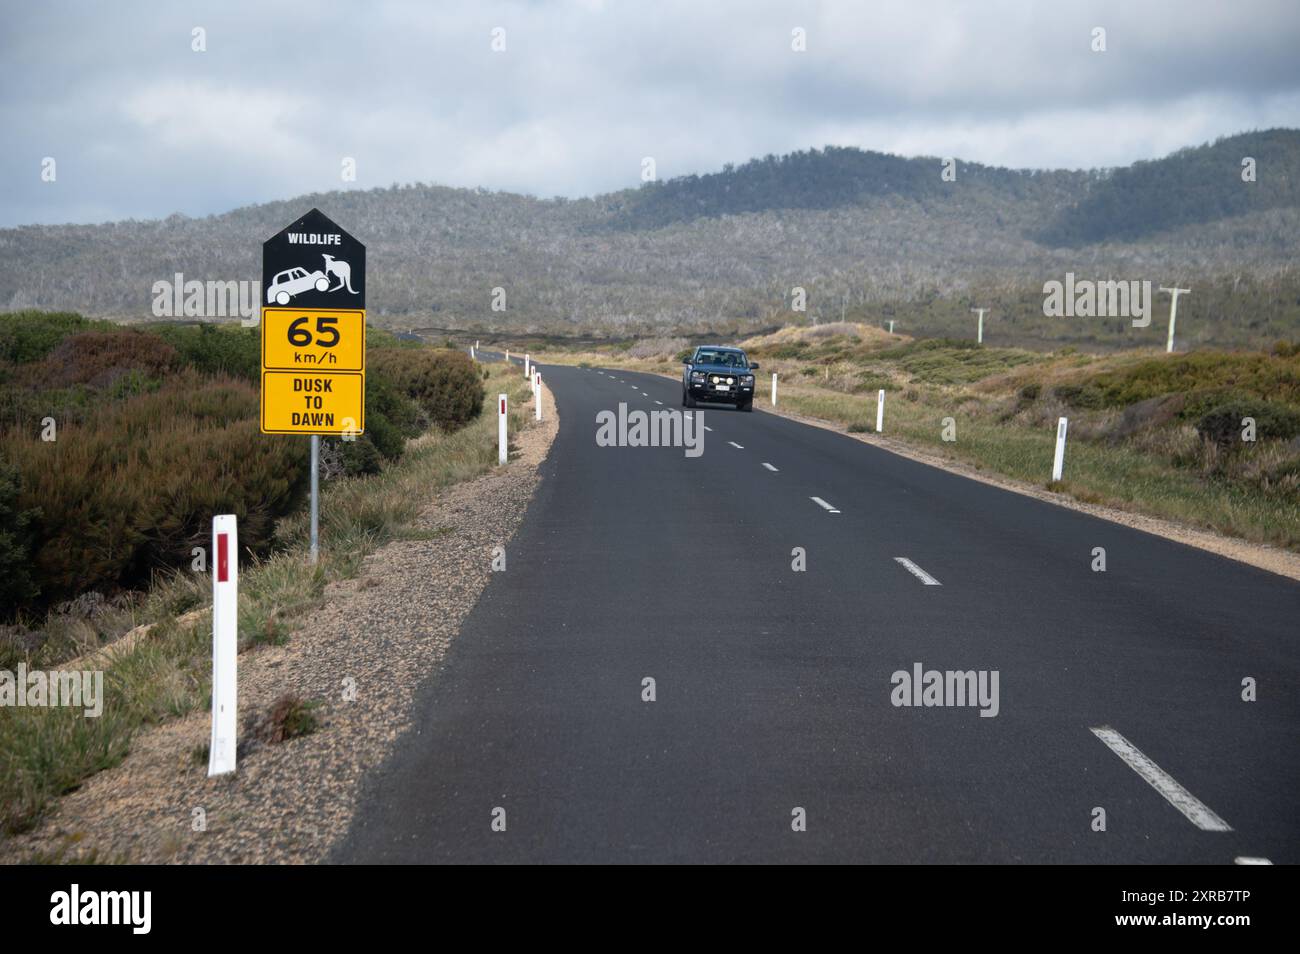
[313, 264]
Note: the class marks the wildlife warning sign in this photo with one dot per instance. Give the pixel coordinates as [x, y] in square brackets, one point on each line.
[313, 330]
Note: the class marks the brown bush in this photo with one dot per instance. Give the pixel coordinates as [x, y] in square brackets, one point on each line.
[99, 358]
[134, 487]
[444, 383]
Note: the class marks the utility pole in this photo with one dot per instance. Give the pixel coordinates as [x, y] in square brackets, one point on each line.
[1173, 314]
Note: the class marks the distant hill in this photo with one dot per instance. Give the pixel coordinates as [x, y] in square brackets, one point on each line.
[1190, 187]
[835, 177]
[720, 250]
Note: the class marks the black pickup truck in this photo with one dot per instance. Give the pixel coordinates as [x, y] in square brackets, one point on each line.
[718, 373]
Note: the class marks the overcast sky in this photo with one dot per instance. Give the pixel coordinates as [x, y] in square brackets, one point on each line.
[141, 126]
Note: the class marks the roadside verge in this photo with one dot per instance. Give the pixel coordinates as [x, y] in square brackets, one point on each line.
[353, 664]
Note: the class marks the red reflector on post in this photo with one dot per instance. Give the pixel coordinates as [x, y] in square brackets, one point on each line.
[503, 406]
[223, 557]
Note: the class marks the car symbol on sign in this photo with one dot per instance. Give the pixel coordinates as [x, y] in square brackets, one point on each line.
[295, 281]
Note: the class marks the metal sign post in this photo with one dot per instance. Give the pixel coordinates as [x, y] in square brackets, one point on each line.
[315, 497]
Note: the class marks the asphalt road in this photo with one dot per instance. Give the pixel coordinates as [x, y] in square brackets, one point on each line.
[773, 687]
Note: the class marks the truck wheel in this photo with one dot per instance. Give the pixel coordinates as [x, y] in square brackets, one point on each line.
[687, 400]
[746, 405]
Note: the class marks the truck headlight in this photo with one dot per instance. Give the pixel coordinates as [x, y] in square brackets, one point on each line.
[697, 377]
[747, 380]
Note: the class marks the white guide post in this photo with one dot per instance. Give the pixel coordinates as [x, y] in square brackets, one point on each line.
[225, 644]
[501, 428]
[1058, 462]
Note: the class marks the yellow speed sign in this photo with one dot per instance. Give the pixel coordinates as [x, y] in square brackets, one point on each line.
[295, 339]
[313, 371]
[308, 402]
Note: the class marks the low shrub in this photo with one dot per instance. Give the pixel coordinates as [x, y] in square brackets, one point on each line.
[358, 457]
[787, 352]
[870, 381]
[1145, 415]
[27, 336]
[1223, 424]
[134, 487]
[1084, 396]
[444, 383]
[229, 349]
[1267, 376]
[381, 338]
[923, 345]
[16, 584]
[98, 359]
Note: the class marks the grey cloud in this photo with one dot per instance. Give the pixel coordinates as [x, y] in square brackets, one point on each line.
[142, 127]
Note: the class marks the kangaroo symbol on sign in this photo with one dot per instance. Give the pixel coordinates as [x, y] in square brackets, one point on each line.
[340, 270]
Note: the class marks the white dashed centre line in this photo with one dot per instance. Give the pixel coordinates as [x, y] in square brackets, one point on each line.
[706, 427]
[823, 504]
[917, 572]
[660, 403]
[737, 446]
[1196, 811]
[769, 466]
[1251, 861]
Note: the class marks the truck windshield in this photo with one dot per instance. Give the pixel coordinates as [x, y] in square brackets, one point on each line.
[727, 359]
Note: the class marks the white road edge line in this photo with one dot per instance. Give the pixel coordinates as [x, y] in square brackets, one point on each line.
[1196, 811]
[737, 446]
[769, 467]
[917, 572]
[823, 504]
